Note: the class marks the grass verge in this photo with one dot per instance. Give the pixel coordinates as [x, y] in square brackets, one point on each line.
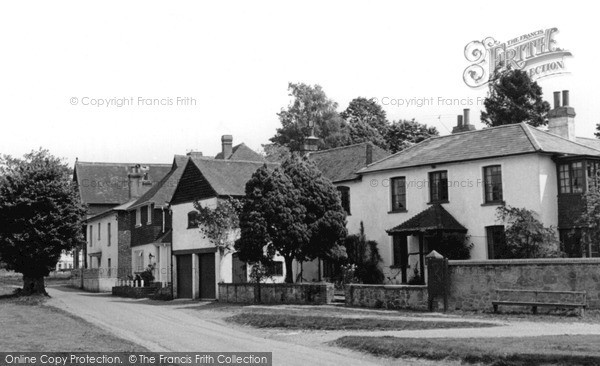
[30, 325]
[530, 351]
[343, 323]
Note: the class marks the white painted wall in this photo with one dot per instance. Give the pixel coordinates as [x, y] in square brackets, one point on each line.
[101, 245]
[528, 181]
[161, 258]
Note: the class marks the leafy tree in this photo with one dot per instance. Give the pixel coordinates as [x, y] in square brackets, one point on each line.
[526, 236]
[40, 216]
[325, 218]
[402, 134]
[310, 103]
[366, 121]
[365, 255]
[514, 98]
[272, 220]
[276, 153]
[597, 133]
[292, 210]
[220, 225]
[589, 220]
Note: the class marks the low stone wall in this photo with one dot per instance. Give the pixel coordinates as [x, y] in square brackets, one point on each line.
[387, 296]
[277, 293]
[473, 284]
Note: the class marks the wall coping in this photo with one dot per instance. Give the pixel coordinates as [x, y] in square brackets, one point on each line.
[391, 287]
[325, 284]
[524, 262]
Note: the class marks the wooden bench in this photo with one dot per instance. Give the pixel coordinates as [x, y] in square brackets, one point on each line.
[535, 298]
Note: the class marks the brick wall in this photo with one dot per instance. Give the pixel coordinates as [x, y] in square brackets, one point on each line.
[146, 234]
[387, 296]
[277, 293]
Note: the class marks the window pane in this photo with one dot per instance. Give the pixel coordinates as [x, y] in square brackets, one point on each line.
[438, 186]
[398, 187]
[493, 183]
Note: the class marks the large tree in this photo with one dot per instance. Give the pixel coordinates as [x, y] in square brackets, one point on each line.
[366, 121]
[514, 98]
[310, 103]
[271, 220]
[402, 134]
[292, 211]
[40, 216]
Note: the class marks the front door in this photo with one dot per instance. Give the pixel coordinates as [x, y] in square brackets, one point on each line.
[184, 276]
[207, 276]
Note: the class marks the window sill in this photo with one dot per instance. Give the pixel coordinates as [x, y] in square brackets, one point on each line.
[494, 203]
[440, 202]
[397, 211]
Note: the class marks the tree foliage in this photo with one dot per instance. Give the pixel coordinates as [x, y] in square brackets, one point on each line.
[455, 246]
[40, 215]
[589, 220]
[310, 103]
[291, 211]
[365, 255]
[220, 224]
[365, 121]
[514, 98]
[403, 134]
[526, 236]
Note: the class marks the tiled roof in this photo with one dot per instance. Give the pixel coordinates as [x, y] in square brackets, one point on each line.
[162, 192]
[228, 177]
[107, 183]
[431, 219]
[587, 141]
[242, 152]
[341, 163]
[487, 143]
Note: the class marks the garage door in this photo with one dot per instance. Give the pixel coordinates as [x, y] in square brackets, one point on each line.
[207, 276]
[184, 276]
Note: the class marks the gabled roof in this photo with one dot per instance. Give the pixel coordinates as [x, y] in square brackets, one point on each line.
[341, 163]
[107, 183]
[432, 219]
[242, 152]
[162, 192]
[492, 142]
[228, 177]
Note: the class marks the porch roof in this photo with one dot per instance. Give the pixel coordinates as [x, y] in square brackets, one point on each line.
[435, 218]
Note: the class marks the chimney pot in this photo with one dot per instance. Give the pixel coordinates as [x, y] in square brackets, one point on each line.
[556, 99]
[226, 146]
[565, 97]
[466, 119]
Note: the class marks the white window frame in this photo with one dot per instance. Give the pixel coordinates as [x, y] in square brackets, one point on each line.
[149, 208]
[138, 217]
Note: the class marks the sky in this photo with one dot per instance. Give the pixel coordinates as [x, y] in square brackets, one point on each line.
[233, 61]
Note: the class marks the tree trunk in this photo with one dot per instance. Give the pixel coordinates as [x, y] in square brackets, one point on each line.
[34, 285]
[289, 273]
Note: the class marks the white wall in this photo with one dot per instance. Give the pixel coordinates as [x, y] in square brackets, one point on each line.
[161, 258]
[527, 180]
[101, 245]
[184, 237]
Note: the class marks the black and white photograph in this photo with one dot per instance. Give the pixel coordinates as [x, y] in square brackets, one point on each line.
[276, 183]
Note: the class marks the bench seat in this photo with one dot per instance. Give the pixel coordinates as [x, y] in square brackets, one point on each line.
[534, 304]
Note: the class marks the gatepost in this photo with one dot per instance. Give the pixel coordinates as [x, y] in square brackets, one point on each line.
[437, 278]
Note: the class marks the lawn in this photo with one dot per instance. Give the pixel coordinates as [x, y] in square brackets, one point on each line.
[530, 351]
[30, 325]
[311, 322]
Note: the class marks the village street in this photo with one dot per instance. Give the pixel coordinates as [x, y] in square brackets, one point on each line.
[196, 326]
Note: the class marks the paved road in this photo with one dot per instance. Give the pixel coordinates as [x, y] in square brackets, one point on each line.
[173, 326]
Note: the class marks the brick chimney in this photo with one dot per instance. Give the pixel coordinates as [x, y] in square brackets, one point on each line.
[194, 154]
[135, 181]
[463, 123]
[561, 119]
[226, 146]
[369, 153]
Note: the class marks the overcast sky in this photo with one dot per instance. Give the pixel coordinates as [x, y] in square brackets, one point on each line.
[236, 59]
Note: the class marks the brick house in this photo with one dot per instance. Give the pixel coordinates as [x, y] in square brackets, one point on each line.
[108, 189]
[455, 183]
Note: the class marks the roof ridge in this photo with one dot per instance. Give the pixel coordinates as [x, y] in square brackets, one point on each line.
[536, 144]
[109, 163]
